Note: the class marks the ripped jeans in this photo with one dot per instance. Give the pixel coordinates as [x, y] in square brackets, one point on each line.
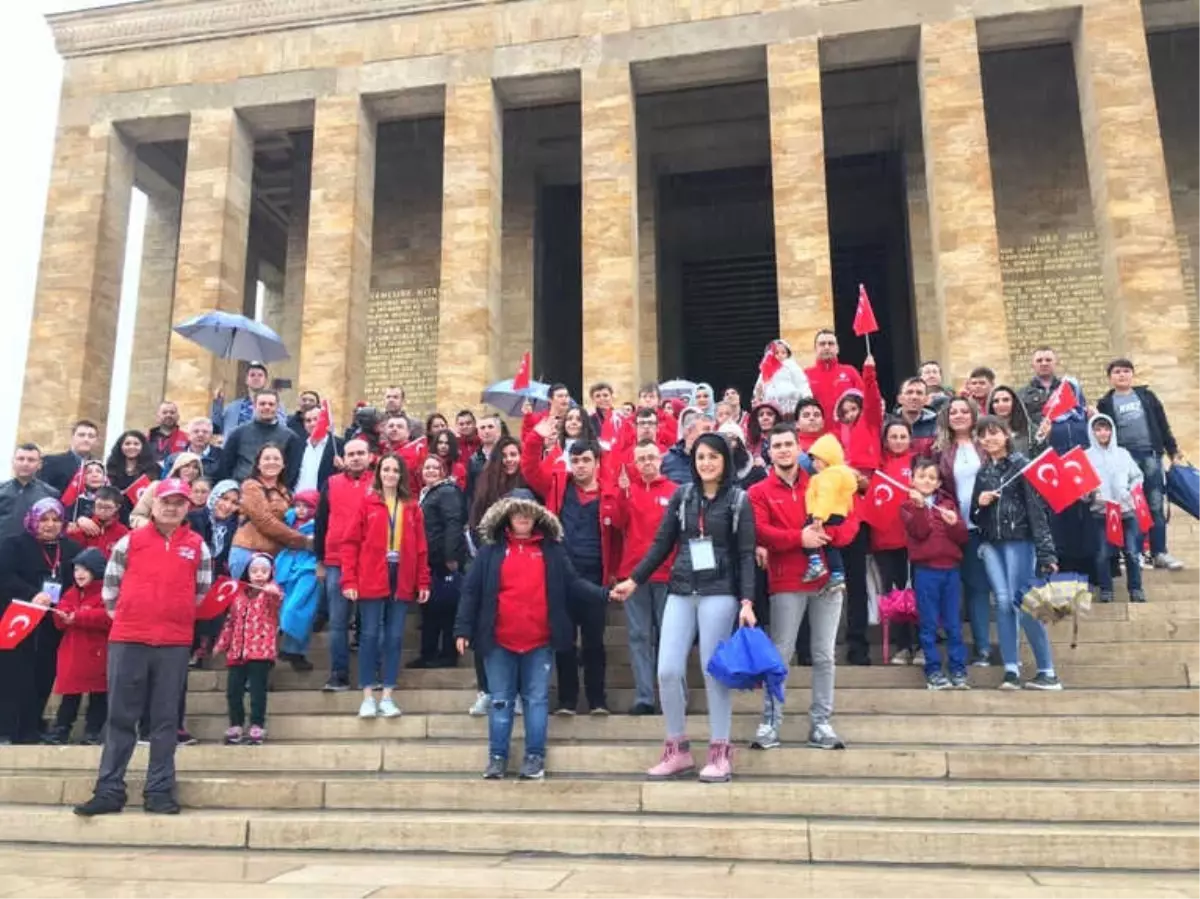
[530, 671]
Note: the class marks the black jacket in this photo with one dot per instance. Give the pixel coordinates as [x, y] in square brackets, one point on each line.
[333, 447]
[58, 469]
[475, 466]
[1019, 514]
[733, 552]
[476, 618]
[242, 446]
[23, 567]
[1161, 438]
[445, 516]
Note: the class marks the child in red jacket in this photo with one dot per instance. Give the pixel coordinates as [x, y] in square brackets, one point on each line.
[83, 652]
[936, 536]
[248, 640]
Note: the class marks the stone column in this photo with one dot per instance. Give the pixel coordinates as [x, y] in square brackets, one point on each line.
[289, 324]
[517, 266]
[155, 308]
[71, 338]
[962, 214]
[337, 272]
[211, 269]
[1131, 204]
[611, 277]
[469, 306]
[802, 264]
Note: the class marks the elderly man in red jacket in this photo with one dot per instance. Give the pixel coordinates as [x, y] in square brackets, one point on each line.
[155, 579]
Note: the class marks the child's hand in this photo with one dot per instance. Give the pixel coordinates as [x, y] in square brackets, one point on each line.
[948, 515]
[916, 496]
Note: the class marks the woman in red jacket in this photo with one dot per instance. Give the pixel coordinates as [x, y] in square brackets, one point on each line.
[385, 568]
[83, 652]
[888, 542]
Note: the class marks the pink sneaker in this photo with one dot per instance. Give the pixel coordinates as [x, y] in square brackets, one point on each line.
[719, 769]
[675, 762]
[256, 736]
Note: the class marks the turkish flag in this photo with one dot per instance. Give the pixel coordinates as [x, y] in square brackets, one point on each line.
[18, 622]
[1141, 509]
[864, 315]
[521, 378]
[1114, 531]
[1061, 401]
[769, 366]
[881, 506]
[135, 490]
[1046, 476]
[321, 431]
[74, 489]
[217, 599]
[609, 429]
[1077, 468]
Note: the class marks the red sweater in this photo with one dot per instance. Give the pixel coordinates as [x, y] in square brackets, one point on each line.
[364, 555]
[861, 440]
[156, 604]
[638, 513]
[344, 497]
[932, 542]
[828, 381]
[104, 541]
[898, 468]
[522, 613]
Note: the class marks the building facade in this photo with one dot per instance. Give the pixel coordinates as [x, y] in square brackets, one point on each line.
[635, 189]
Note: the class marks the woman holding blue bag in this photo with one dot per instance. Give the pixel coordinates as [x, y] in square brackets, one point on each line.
[445, 515]
[710, 526]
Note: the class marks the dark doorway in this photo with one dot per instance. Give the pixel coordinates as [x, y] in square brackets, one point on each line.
[558, 287]
[868, 234]
[718, 304]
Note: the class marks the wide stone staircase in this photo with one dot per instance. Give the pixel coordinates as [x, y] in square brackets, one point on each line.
[1102, 775]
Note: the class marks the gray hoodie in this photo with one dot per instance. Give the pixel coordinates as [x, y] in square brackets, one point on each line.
[1119, 474]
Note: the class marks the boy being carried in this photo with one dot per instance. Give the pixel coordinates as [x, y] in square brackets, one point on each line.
[829, 499]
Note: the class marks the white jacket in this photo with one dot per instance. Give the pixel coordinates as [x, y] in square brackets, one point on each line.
[1119, 474]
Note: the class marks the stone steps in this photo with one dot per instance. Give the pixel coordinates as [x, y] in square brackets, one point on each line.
[648, 835]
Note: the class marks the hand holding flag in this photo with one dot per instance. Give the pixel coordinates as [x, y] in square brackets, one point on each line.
[1114, 531]
[217, 599]
[1141, 509]
[324, 423]
[769, 366]
[74, 489]
[522, 377]
[1061, 401]
[884, 497]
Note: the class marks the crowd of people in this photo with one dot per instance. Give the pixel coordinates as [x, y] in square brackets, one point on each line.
[696, 514]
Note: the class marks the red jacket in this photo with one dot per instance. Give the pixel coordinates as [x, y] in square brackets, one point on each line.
[104, 541]
[344, 497]
[932, 542]
[779, 515]
[251, 624]
[165, 445]
[637, 513]
[898, 468]
[156, 604]
[364, 555]
[861, 440]
[828, 381]
[83, 652]
[522, 611]
[549, 476]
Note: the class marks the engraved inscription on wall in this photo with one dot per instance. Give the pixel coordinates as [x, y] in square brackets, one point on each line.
[1054, 295]
[402, 335]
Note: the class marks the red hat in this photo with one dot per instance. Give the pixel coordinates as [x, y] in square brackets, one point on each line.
[172, 487]
[310, 498]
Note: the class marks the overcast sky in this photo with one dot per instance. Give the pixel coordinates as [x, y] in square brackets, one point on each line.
[30, 76]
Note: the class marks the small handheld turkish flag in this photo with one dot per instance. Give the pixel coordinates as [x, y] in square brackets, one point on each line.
[864, 315]
[18, 622]
[135, 490]
[883, 501]
[1046, 476]
[1061, 401]
[1141, 509]
[521, 378]
[1114, 531]
[217, 599]
[74, 489]
[321, 431]
[769, 366]
[1077, 468]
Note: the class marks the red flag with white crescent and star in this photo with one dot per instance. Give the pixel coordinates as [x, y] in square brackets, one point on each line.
[864, 315]
[1046, 475]
[18, 622]
[521, 378]
[770, 365]
[1141, 509]
[1114, 530]
[1077, 468]
[217, 599]
[883, 500]
[1061, 401]
[135, 490]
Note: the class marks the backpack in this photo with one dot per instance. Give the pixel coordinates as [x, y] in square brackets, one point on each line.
[736, 495]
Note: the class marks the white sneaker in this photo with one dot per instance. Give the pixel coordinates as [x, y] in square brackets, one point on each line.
[480, 708]
[368, 709]
[1167, 561]
[388, 708]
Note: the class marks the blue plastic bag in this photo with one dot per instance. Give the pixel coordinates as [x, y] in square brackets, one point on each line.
[747, 661]
[1183, 488]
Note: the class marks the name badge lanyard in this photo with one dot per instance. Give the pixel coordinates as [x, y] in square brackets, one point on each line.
[54, 562]
[701, 548]
[393, 556]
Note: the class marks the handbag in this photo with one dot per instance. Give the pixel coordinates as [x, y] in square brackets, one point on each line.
[899, 606]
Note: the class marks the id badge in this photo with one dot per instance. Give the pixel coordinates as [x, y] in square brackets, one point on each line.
[393, 557]
[53, 589]
[703, 558]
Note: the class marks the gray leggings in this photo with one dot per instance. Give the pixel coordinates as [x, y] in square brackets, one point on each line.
[714, 617]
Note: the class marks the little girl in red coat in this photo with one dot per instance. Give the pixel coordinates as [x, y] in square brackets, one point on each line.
[889, 541]
[248, 640]
[83, 652]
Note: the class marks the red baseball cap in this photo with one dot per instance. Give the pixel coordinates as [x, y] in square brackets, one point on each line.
[172, 487]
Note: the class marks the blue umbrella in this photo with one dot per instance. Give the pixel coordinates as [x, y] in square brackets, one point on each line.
[502, 396]
[233, 336]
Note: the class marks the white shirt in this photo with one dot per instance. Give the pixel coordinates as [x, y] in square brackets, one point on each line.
[310, 465]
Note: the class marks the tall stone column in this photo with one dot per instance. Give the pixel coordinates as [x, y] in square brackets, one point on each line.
[288, 320]
[962, 212]
[337, 273]
[71, 339]
[611, 277]
[1131, 204]
[211, 269]
[802, 265]
[155, 308]
[469, 305]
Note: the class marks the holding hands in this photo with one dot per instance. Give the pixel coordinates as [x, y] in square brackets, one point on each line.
[623, 590]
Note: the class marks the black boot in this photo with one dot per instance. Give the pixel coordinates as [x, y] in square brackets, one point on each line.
[56, 736]
[101, 805]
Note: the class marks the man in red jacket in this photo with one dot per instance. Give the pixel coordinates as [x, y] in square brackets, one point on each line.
[827, 377]
[155, 579]
[783, 543]
[637, 508]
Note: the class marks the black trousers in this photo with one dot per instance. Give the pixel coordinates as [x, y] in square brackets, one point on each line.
[854, 558]
[437, 631]
[255, 674]
[27, 678]
[93, 721]
[893, 575]
[589, 619]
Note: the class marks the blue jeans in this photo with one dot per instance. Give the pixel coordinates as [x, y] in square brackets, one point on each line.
[1011, 567]
[239, 561]
[939, 601]
[1132, 550]
[1155, 486]
[380, 618]
[340, 611]
[977, 592]
[505, 670]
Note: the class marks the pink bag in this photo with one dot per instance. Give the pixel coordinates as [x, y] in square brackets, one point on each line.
[899, 606]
